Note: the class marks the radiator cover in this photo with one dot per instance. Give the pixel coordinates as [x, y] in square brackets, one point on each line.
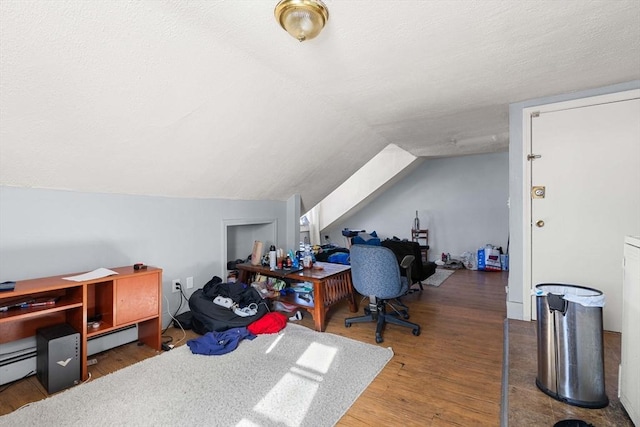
[18, 358]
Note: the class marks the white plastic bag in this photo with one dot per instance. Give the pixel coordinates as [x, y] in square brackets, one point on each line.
[586, 297]
[469, 261]
[492, 259]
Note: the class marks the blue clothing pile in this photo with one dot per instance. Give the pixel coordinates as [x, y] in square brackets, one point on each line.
[216, 343]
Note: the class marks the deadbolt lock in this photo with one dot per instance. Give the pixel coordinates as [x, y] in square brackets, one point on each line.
[538, 192]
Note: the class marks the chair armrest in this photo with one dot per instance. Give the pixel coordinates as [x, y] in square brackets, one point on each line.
[407, 261]
[406, 264]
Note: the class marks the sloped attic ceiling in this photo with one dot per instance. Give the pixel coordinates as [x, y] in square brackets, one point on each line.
[214, 99]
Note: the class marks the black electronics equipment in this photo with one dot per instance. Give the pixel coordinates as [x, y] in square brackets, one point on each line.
[7, 286]
[185, 319]
[58, 357]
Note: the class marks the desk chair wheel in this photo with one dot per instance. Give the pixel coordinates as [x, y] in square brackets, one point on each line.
[379, 338]
[416, 331]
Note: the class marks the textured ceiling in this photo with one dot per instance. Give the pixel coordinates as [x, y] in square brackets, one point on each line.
[209, 98]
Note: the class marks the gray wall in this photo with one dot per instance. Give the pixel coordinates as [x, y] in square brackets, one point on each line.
[461, 200]
[516, 187]
[51, 232]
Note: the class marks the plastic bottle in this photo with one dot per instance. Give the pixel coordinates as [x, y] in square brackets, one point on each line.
[272, 257]
[307, 260]
[279, 257]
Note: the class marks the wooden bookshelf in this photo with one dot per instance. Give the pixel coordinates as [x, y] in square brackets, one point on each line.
[421, 236]
[120, 300]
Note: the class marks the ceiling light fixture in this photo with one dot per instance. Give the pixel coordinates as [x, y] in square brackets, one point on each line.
[303, 19]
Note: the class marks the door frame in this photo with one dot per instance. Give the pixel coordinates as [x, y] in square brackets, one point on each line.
[527, 220]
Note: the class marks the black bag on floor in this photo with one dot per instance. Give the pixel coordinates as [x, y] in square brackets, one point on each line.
[209, 316]
[183, 319]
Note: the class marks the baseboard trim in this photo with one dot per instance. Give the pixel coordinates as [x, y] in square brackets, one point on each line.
[21, 363]
[504, 398]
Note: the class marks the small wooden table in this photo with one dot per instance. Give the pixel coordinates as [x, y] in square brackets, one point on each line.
[331, 284]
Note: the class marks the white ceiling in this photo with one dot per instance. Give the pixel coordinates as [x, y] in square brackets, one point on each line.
[214, 99]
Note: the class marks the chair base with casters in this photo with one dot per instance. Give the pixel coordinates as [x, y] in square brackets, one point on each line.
[377, 312]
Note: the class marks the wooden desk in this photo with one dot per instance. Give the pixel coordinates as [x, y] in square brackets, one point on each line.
[330, 285]
[129, 297]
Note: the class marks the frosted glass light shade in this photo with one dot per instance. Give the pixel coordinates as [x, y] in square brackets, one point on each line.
[303, 19]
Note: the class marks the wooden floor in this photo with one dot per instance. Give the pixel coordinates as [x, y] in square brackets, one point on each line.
[529, 406]
[450, 375]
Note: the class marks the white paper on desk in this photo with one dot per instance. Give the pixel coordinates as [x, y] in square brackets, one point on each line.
[95, 274]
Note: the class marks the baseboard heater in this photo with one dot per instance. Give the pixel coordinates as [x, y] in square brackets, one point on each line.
[18, 358]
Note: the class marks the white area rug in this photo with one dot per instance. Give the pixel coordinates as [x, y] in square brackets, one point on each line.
[437, 278]
[298, 377]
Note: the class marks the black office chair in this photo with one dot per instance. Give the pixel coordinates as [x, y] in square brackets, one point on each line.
[376, 274]
[419, 270]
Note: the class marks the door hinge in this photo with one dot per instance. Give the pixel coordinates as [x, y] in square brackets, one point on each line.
[533, 156]
[535, 114]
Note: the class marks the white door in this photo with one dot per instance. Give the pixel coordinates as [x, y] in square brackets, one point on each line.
[589, 165]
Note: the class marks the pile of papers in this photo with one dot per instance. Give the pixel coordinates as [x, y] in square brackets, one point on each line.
[302, 287]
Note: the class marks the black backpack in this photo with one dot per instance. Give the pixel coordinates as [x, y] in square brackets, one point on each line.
[208, 316]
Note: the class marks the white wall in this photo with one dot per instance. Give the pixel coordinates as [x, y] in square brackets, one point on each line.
[461, 200]
[51, 232]
[517, 191]
[372, 179]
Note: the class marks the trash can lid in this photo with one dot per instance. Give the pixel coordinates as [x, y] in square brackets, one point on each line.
[587, 297]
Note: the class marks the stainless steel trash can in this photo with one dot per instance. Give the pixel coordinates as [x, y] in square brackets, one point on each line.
[570, 344]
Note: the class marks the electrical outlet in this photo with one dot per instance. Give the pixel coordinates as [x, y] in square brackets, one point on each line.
[175, 285]
[189, 282]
